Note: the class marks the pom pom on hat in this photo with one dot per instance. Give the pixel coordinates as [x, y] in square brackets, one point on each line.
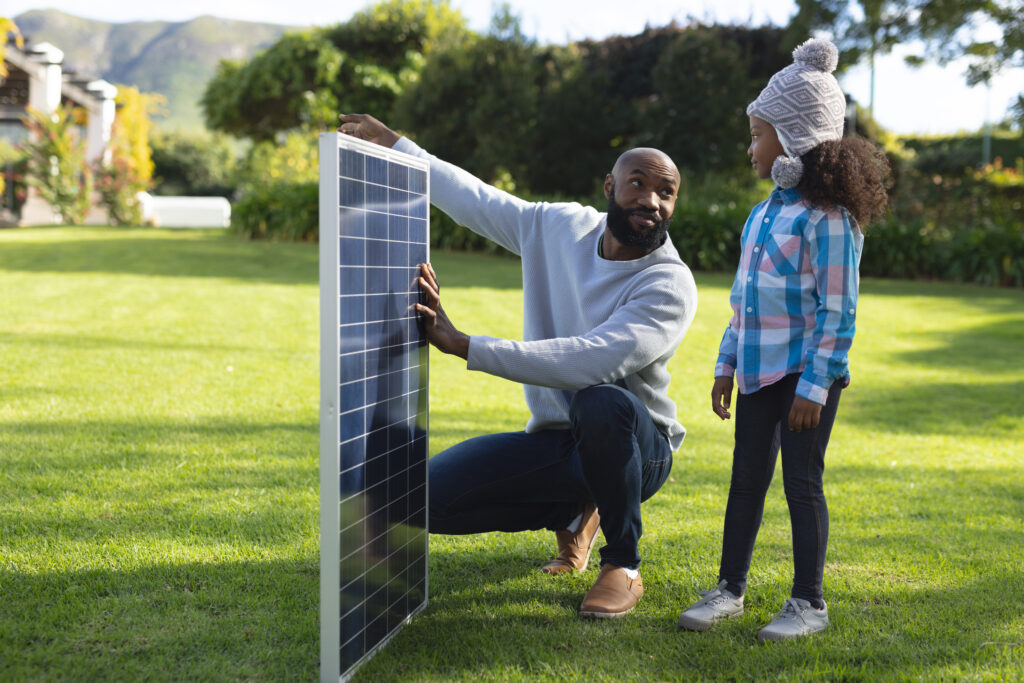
[817, 54]
[787, 171]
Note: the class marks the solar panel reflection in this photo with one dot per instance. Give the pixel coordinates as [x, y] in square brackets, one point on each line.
[374, 379]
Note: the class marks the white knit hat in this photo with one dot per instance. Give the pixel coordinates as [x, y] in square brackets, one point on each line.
[804, 104]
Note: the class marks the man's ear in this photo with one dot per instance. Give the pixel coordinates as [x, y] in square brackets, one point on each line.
[609, 186]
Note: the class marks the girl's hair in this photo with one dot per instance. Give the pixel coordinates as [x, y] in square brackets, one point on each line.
[850, 172]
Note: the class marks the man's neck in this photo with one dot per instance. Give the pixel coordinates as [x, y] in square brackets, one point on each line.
[613, 250]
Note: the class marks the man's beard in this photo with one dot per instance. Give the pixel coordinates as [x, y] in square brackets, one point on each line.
[625, 233]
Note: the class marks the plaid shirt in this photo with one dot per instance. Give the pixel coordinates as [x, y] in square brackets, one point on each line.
[794, 299]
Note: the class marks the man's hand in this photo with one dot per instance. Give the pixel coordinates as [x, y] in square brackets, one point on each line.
[365, 127]
[440, 330]
[721, 397]
[804, 414]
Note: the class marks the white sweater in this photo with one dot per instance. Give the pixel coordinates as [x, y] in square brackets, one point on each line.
[586, 320]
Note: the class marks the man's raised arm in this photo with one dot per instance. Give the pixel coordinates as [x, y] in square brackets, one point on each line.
[484, 209]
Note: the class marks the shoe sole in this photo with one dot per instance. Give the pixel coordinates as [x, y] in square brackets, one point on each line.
[605, 615]
[691, 624]
[779, 637]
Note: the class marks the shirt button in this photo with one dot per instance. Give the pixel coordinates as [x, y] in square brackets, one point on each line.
[852, 311]
[766, 220]
[749, 309]
[750, 279]
[757, 249]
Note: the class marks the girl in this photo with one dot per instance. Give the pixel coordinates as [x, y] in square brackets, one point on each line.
[794, 305]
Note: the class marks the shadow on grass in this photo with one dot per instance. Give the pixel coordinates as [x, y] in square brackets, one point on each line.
[187, 621]
[169, 255]
[985, 410]
[983, 404]
[81, 342]
[988, 299]
[534, 634]
[924, 580]
[185, 254]
[989, 349]
[467, 269]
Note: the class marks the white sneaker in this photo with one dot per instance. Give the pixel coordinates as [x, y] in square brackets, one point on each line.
[797, 619]
[716, 605]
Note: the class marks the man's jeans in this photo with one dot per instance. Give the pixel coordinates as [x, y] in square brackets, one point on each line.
[761, 428]
[612, 455]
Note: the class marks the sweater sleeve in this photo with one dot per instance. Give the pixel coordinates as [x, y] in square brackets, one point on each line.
[484, 209]
[648, 326]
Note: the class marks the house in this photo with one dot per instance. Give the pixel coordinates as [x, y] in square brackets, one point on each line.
[36, 78]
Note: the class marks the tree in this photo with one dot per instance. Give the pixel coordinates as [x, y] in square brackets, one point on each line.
[475, 103]
[949, 29]
[699, 117]
[283, 87]
[860, 28]
[306, 78]
[7, 29]
[128, 168]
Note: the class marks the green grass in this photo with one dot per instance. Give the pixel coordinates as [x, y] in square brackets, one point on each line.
[159, 485]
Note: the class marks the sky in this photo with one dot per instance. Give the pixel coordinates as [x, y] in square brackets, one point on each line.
[929, 99]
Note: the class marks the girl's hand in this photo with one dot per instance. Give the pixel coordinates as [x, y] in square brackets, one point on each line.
[721, 397]
[804, 414]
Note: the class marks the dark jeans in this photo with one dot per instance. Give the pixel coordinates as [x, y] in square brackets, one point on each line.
[612, 455]
[761, 428]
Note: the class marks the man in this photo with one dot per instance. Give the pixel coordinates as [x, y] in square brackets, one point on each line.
[606, 302]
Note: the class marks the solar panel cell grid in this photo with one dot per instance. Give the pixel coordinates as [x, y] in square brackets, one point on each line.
[379, 367]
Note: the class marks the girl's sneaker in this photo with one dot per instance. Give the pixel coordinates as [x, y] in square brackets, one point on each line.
[716, 605]
[798, 618]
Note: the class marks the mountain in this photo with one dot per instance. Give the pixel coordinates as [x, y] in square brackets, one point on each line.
[175, 59]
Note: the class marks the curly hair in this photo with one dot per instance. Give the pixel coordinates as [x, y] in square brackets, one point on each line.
[852, 173]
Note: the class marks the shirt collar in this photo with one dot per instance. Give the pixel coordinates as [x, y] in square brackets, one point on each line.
[786, 196]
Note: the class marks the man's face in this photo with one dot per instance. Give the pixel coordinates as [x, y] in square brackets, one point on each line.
[764, 148]
[641, 198]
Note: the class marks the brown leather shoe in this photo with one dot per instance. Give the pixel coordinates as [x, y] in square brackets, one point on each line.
[614, 594]
[574, 548]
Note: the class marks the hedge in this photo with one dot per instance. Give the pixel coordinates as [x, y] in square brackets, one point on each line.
[964, 229]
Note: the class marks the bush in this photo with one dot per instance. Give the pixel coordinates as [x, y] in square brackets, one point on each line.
[710, 213]
[950, 155]
[200, 165]
[964, 227]
[117, 183]
[280, 212]
[56, 163]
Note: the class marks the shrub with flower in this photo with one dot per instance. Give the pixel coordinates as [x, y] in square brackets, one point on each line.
[56, 163]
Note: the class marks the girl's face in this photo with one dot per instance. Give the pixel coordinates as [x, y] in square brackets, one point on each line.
[764, 147]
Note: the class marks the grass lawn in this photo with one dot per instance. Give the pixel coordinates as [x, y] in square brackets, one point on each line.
[159, 485]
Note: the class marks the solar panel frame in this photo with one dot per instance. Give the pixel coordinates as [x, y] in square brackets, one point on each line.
[374, 231]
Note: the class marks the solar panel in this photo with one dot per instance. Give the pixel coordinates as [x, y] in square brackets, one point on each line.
[374, 209]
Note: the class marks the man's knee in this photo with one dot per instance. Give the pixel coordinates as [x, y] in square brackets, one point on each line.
[601, 407]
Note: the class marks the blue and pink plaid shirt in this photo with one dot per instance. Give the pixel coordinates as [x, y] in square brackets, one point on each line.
[794, 299]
